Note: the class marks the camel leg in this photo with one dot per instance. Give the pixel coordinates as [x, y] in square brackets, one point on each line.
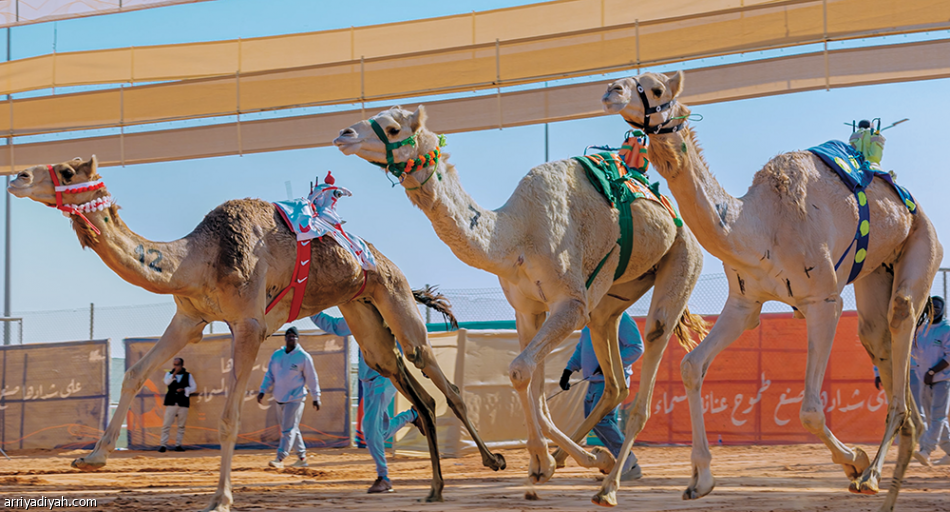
[247, 337]
[379, 351]
[565, 316]
[619, 298]
[398, 308]
[822, 318]
[737, 316]
[674, 283]
[182, 330]
[913, 275]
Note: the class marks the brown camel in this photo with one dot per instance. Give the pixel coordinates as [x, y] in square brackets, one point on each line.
[544, 245]
[780, 241]
[228, 269]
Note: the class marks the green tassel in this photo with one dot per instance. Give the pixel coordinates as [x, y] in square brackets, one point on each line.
[442, 141]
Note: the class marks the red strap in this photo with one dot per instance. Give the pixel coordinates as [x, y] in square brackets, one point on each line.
[67, 208]
[298, 280]
[361, 287]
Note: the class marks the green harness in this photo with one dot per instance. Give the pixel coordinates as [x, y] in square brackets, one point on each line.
[621, 188]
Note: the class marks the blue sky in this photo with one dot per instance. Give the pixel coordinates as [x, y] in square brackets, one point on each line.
[165, 201]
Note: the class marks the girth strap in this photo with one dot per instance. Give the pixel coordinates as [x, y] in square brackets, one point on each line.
[861, 237]
[298, 280]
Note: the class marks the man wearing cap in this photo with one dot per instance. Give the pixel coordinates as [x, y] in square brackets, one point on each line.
[290, 373]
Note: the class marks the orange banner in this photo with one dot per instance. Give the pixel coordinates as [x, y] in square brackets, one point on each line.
[754, 389]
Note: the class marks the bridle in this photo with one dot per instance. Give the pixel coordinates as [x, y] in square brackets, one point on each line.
[97, 204]
[401, 169]
[648, 111]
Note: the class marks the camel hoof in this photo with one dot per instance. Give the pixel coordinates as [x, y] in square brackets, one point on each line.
[434, 497]
[538, 472]
[603, 459]
[82, 465]
[496, 462]
[531, 495]
[605, 499]
[869, 486]
[696, 491]
[861, 463]
[218, 507]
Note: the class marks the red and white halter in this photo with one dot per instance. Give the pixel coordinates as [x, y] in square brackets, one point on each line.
[97, 204]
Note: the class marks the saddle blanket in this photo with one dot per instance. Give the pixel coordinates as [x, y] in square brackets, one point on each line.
[855, 171]
[307, 223]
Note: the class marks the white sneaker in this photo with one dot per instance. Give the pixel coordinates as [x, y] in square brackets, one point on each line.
[276, 464]
[923, 458]
[301, 463]
[944, 461]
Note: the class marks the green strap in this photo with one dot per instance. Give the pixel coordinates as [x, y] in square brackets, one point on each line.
[391, 166]
[599, 266]
[626, 238]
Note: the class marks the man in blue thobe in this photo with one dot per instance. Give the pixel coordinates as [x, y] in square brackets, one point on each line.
[378, 393]
[933, 366]
[584, 359]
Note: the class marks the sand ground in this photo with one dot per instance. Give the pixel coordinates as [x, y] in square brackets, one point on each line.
[750, 478]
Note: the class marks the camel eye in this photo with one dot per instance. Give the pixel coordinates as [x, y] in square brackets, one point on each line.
[392, 131]
[657, 91]
[67, 174]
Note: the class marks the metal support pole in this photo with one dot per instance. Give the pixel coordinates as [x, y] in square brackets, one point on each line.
[6, 250]
[428, 311]
[92, 319]
[944, 272]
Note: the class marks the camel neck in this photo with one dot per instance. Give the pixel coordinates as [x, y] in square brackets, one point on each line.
[144, 263]
[467, 228]
[707, 208]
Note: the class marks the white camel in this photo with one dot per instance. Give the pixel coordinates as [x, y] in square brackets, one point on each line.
[781, 241]
[544, 244]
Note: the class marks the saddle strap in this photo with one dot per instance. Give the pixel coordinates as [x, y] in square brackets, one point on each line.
[298, 281]
[861, 237]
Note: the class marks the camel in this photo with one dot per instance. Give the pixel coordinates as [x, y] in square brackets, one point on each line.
[546, 245]
[228, 269]
[759, 238]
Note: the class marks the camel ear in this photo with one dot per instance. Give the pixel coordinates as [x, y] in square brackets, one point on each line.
[88, 168]
[675, 83]
[418, 119]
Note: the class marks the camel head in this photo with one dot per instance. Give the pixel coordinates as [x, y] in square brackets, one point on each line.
[36, 183]
[72, 187]
[638, 98]
[399, 142]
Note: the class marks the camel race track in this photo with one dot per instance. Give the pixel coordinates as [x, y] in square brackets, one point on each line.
[750, 479]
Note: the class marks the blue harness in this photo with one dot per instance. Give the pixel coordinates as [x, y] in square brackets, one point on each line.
[854, 170]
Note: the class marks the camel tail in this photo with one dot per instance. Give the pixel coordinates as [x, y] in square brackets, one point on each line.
[431, 298]
[690, 323]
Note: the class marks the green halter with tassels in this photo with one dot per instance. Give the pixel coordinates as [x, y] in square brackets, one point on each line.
[399, 168]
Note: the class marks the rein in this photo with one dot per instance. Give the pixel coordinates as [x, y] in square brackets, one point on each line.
[97, 204]
[648, 111]
[401, 169]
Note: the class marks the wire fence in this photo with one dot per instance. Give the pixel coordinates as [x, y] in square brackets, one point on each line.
[470, 305]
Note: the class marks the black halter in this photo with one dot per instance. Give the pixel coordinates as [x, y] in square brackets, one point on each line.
[648, 111]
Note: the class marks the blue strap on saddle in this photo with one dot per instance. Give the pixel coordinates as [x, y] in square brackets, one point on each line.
[854, 170]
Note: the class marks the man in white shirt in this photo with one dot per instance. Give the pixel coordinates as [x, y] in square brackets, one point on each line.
[289, 373]
[181, 385]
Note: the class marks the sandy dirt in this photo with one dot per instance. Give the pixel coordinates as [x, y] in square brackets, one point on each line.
[750, 478]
